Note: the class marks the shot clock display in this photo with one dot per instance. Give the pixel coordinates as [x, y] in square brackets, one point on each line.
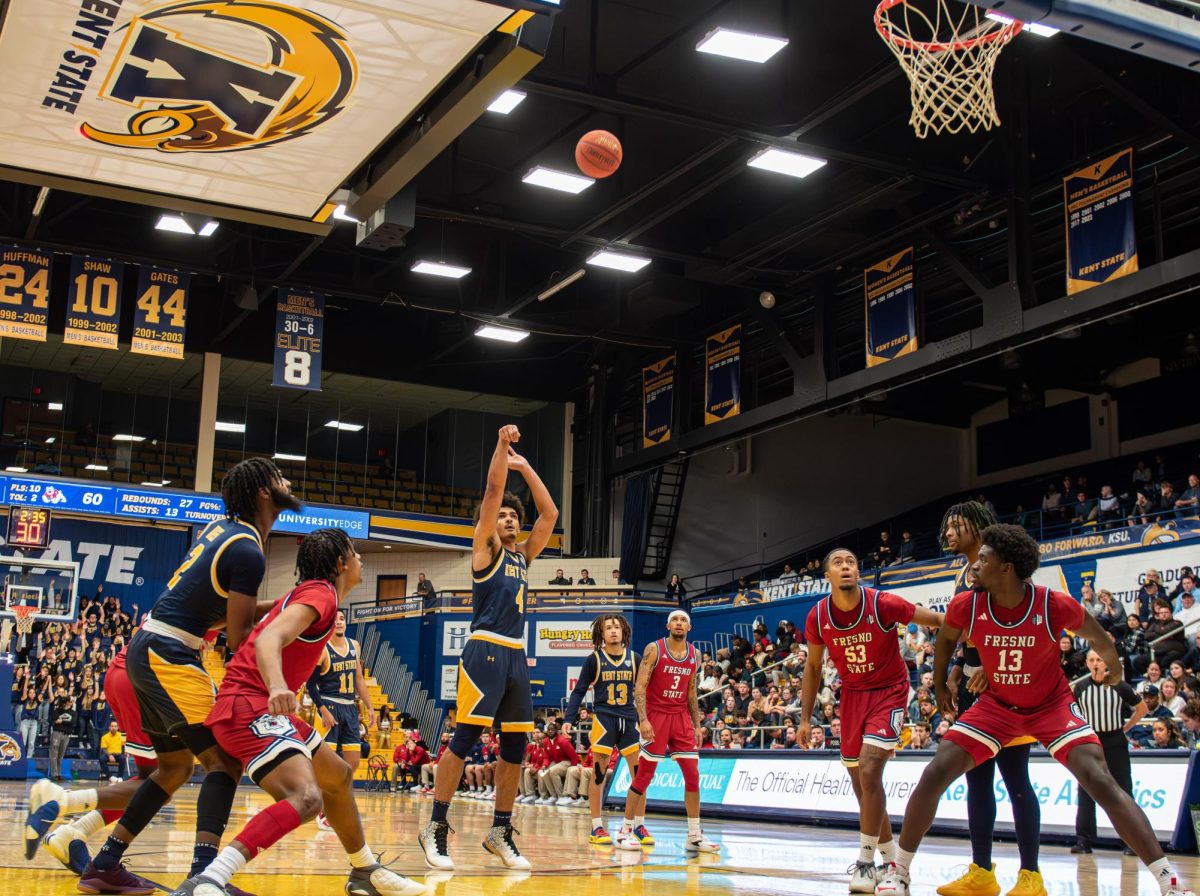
[28, 527]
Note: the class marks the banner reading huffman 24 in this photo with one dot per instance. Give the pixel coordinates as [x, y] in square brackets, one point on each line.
[265, 104]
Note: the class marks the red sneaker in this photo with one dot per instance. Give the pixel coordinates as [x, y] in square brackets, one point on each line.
[117, 880]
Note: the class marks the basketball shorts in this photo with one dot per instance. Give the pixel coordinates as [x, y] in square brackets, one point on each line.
[612, 732]
[991, 724]
[874, 717]
[493, 687]
[966, 700]
[674, 737]
[123, 703]
[174, 692]
[260, 741]
[344, 732]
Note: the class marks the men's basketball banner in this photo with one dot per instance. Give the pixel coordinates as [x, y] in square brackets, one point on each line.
[24, 293]
[658, 401]
[1101, 243]
[262, 104]
[299, 339]
[723, 375]
[93, 302]
[891, 303]
[160, 314]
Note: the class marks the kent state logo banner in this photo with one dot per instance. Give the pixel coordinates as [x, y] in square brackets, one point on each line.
[658, 401]
[1098, 208]
[891, 308]
[723, 375]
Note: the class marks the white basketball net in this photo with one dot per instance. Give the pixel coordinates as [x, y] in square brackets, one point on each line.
[949, 57]
[24, 617]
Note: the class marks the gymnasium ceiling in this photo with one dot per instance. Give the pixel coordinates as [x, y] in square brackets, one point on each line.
[718, 232]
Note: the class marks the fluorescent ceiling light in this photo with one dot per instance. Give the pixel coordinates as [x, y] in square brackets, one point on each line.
[506, 102]
[541, 176]
[99, 468]
[50, 440]
[16, 470]
[342, 215]
[126, 437]
[348, 427]
[55, 406]
[174, 224]
[1032, 27]
[741, 45]
[158, 484]
[503, 334]
[209, 228]
[222, 426]
[440, 269]
[279, 455]
[781, 161]
[560, 285]
[618, 261]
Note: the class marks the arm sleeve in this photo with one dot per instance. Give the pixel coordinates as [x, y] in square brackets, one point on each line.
[1127, 694]
[586, 676]
[1065, 612]
[894, 609]
[310, 687]
[242, 565]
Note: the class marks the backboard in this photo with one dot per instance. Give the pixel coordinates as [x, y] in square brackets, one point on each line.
[52, 586]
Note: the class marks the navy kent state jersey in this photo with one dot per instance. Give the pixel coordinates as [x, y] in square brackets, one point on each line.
[227, 556]
[613, 681]
[498, 598]
[335, 672]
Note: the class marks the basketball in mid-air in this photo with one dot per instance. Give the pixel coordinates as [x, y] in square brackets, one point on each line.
[598, 154]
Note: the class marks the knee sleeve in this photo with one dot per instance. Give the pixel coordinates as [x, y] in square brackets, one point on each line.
[512, 747]
[599, 769]
[464, 738]
[690, 767]
[214, 803]
[645, 774]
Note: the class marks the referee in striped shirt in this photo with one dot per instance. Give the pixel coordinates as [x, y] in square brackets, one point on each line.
[1105, 708]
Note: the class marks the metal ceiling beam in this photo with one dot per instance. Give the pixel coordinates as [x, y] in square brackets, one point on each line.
[956, 263]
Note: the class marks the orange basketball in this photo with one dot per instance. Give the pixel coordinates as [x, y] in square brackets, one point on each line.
[598, 154]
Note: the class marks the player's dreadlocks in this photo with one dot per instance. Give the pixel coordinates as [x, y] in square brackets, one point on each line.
[240, 486]
[509, 500]
[319, 552]
[970, 516]
[1014, 545]
[598, 629]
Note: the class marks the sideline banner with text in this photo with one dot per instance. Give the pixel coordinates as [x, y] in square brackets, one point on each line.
[1101, 243]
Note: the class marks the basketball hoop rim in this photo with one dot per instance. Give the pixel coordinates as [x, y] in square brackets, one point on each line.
[23, 613]
[1005, 33]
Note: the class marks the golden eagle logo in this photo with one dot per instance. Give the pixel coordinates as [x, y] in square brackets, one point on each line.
[1160, 534]
[10, 750]
[224, 75]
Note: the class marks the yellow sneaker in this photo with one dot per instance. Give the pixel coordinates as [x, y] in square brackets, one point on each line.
[978, 882]
[1029, 883]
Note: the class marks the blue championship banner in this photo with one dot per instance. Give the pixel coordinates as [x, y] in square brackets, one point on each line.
[24, 293]
[723, 375]
[658, 401]
[1098, 206]
[299, 339]
[94, 309]
[891, 303]
[160, 319]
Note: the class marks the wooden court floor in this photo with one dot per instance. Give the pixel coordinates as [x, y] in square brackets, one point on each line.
[758, 858]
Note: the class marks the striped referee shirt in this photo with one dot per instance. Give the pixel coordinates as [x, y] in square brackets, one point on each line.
[1104, 706]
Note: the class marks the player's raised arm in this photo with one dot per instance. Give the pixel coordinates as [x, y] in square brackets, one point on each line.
[483, 547]
[543, 526]
[268, 654]
[649, 658]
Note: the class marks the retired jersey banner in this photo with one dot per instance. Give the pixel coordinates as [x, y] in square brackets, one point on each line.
[24, 293]
[1101, 243]
[658, 401]
[723, 375]
[160, 316]
[299, 339]
[891, 303]
[94, 302]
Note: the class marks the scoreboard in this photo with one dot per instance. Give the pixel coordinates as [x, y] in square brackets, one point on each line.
[28, 527]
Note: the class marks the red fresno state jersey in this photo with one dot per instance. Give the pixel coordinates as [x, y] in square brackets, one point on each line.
[1018, 646]
[300, 657]
[670, 680]
[863, 645]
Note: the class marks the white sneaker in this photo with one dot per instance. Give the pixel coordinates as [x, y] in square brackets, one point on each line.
[625, 840]
[433, 840]
[527, 798]
[564, 801]
[489, 795]
[1177, 890]
[893, 882]
[323, 822]
[700, 843]
[381, 881]
[863, 877]
[500, 843]
[69, 846]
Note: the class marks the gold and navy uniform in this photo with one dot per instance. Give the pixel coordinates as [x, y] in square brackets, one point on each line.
[612, 680]
[493, 676]
[174, 692]
[332, 686]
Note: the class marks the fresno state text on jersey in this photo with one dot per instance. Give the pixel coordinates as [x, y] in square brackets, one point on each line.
[862, 643]
[670, 680]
